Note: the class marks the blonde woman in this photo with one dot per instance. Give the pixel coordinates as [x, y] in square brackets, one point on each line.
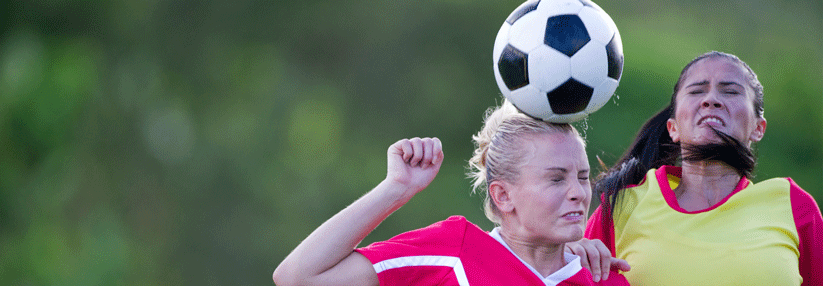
[535, 177]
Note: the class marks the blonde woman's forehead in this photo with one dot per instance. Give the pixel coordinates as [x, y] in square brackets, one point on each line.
[555, 150]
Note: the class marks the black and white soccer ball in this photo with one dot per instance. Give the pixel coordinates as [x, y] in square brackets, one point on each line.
[558, 60]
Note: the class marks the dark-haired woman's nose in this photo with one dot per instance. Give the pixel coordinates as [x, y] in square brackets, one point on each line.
[711, 101]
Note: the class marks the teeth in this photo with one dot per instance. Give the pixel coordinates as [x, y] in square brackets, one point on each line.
[574, 214]
[712, 119]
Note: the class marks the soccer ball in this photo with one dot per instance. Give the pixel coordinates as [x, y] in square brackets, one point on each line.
[558, 60]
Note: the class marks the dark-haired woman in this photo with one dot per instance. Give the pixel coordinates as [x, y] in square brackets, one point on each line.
[706, 222]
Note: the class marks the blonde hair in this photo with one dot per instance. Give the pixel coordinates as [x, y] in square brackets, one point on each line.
[498, 154]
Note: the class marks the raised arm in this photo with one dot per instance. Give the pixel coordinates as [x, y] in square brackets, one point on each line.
[326, 256]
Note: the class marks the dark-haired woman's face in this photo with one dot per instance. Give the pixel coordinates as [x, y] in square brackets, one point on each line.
[715, 94]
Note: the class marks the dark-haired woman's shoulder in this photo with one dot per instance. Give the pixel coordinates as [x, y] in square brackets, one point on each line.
[809, 223]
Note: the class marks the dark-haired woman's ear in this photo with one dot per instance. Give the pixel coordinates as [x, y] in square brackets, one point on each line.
[759, 130]
[671, 125]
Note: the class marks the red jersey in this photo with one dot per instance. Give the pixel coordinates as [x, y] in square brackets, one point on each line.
[457, 252]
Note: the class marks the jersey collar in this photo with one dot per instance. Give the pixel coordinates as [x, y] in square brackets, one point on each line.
[572, 263]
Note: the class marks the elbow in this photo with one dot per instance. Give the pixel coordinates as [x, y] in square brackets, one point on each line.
[283, 276]
[277, 277]
[280, 278]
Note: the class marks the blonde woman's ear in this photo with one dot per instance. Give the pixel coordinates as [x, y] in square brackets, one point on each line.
[499, 193]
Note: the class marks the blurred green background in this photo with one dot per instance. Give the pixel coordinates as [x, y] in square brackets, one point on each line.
[198, 142]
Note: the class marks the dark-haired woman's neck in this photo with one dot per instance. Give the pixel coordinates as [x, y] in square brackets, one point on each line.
[704, 184]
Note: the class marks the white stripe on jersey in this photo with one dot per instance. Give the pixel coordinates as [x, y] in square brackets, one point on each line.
[425, 260]
[462, 280]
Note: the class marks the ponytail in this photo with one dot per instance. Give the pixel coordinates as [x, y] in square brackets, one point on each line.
[730, 151]
[651, 148]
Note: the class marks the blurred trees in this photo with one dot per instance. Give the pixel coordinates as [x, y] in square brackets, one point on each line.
[197, 142]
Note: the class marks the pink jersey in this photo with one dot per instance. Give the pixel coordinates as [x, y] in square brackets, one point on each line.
[457, 252]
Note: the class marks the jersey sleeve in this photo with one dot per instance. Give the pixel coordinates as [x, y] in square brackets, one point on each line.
[809, 224]
[600, 226]
[424, 256]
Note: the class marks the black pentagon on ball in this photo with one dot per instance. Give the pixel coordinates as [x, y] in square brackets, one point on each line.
[513, 67]
[521, 10]
[570, 97]
[566, 33]
[614, 53]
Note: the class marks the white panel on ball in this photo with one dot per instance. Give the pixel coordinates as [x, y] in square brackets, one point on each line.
[521, 34]
[590, 65]
[548, 68]
[563, 7]
[524, 99]
[599, 29]
[601, 95]
[609, 21]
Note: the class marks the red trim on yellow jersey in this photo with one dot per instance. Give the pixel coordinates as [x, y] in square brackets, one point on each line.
[663, 176]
